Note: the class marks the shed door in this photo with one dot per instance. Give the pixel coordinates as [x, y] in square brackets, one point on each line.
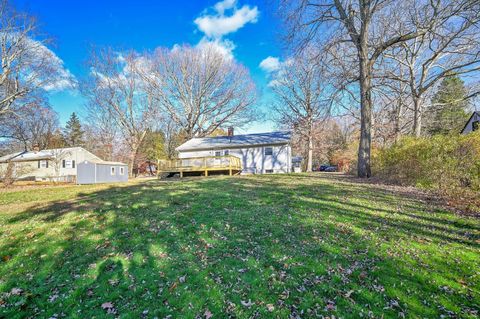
[268, 158]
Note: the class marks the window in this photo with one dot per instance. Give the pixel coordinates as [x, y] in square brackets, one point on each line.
[112, 170]
[226, 152]
[268, 150]
[68, 164]
[122, 170]
[269, 171]
[475, 125]
[218, 153]
[43, 164]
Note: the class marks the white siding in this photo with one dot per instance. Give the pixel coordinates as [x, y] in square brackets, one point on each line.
[254, 160]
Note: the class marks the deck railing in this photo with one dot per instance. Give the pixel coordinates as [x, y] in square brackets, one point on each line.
[227, 162]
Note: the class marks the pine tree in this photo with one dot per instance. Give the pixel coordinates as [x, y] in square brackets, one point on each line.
[449, 112]
[73, 132]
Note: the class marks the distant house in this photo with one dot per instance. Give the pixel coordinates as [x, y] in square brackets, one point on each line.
[473, 123]
[259, 153]
[59, 164]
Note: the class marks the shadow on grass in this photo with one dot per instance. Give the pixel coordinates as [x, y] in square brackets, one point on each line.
[265, 246]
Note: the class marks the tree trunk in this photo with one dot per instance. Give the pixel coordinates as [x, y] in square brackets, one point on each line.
[134, 152]
[397, 128]
[417, 117]
[310, 153]
[363, 166]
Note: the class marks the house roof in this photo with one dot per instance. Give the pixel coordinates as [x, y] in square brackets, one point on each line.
[218, 142]
[106, 162]
[8, 157]
[469, 119]
[35, 156]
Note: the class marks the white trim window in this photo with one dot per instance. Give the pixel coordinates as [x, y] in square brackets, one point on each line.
[268, 151]
[121, 170]
[218, 153]
[43, 164]
[112, 170]
[68, 164]
[226, 152]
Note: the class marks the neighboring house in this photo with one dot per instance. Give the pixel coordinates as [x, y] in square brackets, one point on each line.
[47, 165]
[473, 123]
[259, 153]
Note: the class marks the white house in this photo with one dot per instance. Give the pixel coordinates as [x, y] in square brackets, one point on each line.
[259, 153]
[473, 123]
[47, 165]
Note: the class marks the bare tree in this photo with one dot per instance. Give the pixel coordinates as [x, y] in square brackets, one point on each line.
[200, 88]
[33, 123]
[299, 85]
[370, 27]
[452, 48]
[57, 157]
[115, 92]
[27, 65]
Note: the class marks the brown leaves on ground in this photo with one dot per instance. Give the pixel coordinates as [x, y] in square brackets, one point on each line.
[109, 307]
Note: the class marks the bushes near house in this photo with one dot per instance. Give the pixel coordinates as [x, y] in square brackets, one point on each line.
[449, 164]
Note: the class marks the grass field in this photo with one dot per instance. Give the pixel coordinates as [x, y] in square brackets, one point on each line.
[272, 246]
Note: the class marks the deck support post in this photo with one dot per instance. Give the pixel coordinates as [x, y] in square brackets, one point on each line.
[230, 172]
[181, 174]
[206, 172]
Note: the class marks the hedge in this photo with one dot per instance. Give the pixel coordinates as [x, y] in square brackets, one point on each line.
[449, 164]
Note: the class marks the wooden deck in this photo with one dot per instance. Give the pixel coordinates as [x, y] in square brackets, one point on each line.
[201, 165]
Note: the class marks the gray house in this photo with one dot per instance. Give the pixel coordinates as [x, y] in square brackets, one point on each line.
[473, 123]
[259, 153]
[98, 171]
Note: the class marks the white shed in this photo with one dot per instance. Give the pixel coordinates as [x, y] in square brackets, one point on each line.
[98, 171]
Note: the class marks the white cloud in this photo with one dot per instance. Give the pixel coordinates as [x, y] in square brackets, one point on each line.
[221, 6]
[270, 64]
[59, 77]
[219, 23]
[225, 47]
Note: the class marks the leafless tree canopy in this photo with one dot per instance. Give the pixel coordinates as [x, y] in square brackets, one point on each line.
[200, 89]
[27, 65]
[31, 124]
[301, 90]
[360, 33]
[117, 97]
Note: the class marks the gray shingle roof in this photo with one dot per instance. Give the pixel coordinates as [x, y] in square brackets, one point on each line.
[270, 138]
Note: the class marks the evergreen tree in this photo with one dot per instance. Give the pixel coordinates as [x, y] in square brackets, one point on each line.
[449, 112]
[73, 132]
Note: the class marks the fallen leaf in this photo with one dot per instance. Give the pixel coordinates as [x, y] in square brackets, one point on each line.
[16, 291]
[270, 307]
[208, 314]
[248, 303]
[349, 293]
[107, 305]
[182, 279]
[330, 306]
[52, 298]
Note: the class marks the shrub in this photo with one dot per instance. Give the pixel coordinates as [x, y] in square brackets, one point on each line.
[449, 164]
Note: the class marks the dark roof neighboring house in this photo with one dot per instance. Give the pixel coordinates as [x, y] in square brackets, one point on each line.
[219, 142]
[469, 125]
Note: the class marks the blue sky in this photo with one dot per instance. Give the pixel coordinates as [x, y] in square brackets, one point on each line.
[143, 25]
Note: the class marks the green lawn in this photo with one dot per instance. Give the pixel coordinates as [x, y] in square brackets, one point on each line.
[276, 246]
